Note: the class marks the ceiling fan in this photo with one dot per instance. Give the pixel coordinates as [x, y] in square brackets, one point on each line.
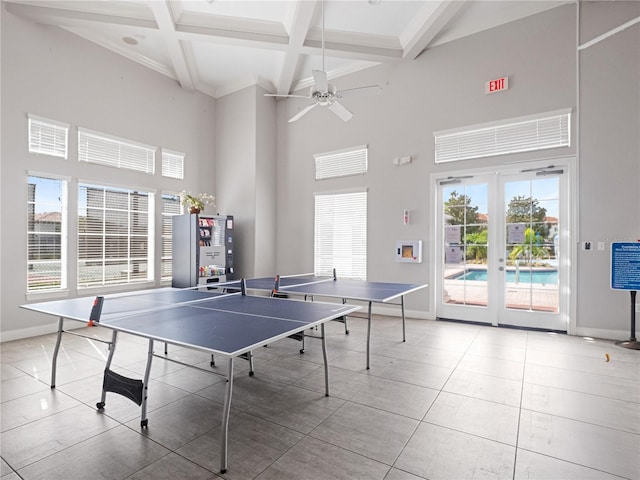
[325, 94]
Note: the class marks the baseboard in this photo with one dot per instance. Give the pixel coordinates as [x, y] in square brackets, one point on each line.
[393, 310]
[602, 333]
[8, 336]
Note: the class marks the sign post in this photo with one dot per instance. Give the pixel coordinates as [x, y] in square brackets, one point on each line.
[625, 275]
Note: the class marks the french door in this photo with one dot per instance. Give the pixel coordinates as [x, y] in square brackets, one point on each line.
[502, 247]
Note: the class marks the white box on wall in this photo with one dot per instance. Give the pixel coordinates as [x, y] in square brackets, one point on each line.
[409, 251]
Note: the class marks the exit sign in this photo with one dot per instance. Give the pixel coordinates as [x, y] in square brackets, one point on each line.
[497, 85]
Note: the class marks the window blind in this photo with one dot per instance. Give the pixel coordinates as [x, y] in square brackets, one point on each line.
[341, 163]
[523, 134]
[102, 149]
[48, 137]
[172, 164]
[341, 234]
[170, 207]
[114, 236]
[46, 234]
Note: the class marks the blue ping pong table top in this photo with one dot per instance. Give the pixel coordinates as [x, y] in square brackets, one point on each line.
[329, 287]
[224, 324]
[119, 304]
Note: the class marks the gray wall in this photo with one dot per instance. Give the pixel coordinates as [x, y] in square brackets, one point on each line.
[236, 173]
[609, 157]
[443, 89]
[51, 73]
[266, 185]
[246, 176]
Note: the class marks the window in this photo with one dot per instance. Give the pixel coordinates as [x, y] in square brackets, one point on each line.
[341, 163]
[172, 164]
[116, 152]
[170, 207]
[341, 234]
[115, 245]
[523, 134]
[46, 227]
[48, 137]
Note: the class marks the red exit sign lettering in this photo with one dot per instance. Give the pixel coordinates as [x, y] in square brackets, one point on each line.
[497, 85]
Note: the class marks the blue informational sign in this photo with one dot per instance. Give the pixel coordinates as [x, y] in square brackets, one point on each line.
[625, 266]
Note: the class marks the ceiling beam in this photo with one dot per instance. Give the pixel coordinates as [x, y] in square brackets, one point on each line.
[352, 51]
[300, 24]
[432, 25]
[166, 25]
[72, 18]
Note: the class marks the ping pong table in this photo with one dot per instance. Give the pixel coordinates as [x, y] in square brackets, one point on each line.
[230, 325]
[310, 285]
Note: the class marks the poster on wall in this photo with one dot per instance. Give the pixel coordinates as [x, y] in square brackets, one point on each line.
[452, 234]
[515, 233]
[452, 255]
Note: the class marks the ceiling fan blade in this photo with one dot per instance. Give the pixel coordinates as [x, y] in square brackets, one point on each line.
[359, 91]
[302, 112]
[285, 95]
[320, 80]
[341, 111]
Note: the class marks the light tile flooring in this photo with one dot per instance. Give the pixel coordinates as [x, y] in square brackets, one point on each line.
[456, 401]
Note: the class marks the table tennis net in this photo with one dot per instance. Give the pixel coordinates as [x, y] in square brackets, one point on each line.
[122, 306]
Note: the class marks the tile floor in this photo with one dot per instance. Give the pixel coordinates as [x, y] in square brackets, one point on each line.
[455, 401]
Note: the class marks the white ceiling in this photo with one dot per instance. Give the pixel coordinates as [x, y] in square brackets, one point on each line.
[221, 46]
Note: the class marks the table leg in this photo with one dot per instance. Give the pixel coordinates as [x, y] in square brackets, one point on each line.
[404, 336]
[54, 360]
[368, 334]
[346, 327]
[145, 386]
[112, 349]
[225, 418]
[326, 362]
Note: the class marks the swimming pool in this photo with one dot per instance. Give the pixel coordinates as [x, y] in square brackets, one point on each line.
[544, 277]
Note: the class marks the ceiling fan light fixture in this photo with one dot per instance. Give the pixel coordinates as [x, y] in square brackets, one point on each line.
[325, 94]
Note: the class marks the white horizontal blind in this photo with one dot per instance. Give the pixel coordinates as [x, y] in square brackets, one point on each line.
[341, 235]
[170, 207]
[104, 149]
[48, 137]
[172, 164]
[524, 134]
[114, 246]
[46, 234]
[341, 163]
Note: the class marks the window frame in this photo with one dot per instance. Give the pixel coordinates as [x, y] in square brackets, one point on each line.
[54, 128]
[150, 232]
[528, 133]
[324, 228]
[64, 225]
[341, 163]
[167, 238]
[169, 164]
[120, 157]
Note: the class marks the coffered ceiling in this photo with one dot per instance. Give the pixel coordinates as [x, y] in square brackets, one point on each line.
[221, 46]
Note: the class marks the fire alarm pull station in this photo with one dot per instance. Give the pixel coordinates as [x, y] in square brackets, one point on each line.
[409, 251]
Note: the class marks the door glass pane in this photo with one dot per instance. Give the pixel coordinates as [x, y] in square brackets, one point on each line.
[531, 220]
[466, 227]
